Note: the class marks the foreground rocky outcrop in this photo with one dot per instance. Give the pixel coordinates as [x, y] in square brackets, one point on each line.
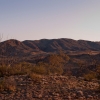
[50, 88]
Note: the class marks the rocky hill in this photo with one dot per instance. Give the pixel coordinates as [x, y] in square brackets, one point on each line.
[28, 47]
[62, 45]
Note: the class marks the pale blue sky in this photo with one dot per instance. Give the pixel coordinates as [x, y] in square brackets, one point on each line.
[38, 19]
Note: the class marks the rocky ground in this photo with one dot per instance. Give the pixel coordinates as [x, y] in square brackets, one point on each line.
[50, 88]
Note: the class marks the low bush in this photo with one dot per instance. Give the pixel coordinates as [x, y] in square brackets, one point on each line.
[18, 69]
[46, 69]
[39, 70]
[91, 75]
[6, 85]
[35, 77]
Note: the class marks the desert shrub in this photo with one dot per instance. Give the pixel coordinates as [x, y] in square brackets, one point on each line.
[8, 71]
[18, 69]
[46, 69]
[56, 63]
[35, 77]
[55, 60]
[22, 68]
[91, 75]
[52, 65]
[64, 56]
[98, 72]
[7, 85]
[54, 70]
[39, 70]
[3, 70]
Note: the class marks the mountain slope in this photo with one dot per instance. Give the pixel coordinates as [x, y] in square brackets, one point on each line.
[63, 45]
[27, 47]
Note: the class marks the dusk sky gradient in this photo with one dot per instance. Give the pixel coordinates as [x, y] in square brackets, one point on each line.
[39, 19]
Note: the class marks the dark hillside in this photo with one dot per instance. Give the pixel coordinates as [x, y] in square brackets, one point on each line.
[28, 47]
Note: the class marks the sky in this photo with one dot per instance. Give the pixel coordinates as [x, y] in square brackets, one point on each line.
[49, 19]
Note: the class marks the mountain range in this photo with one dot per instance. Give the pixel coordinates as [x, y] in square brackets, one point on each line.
[31, 47]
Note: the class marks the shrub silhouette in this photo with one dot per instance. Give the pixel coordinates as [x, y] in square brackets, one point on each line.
[35, 77]
[91, 75]
[50, 65]
[17, 69]
[6, 85]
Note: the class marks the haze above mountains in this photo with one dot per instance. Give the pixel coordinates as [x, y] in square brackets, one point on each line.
[27, 47]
